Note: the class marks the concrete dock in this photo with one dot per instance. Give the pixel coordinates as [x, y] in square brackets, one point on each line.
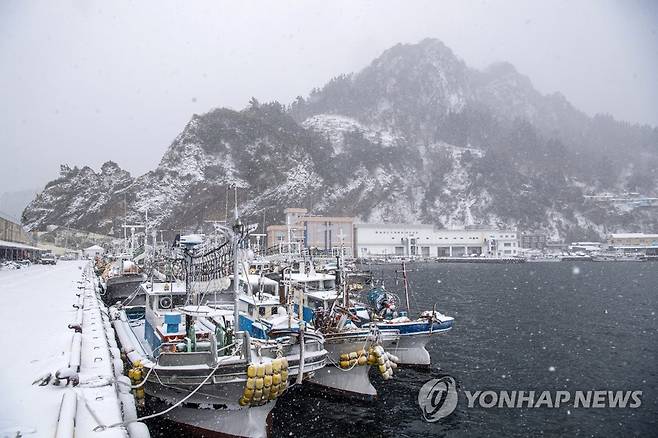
[54, 326]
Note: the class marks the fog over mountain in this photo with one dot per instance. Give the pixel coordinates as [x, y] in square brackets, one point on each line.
[417, 135]
[87, 82]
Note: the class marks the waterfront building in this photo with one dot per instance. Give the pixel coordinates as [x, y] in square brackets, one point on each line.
[634, 242]
[419, 240]
[324, 234]
[532, 241]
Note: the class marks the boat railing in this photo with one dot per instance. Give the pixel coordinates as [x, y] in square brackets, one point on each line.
[186, 358]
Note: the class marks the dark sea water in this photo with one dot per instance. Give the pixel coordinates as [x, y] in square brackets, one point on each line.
[533, 326]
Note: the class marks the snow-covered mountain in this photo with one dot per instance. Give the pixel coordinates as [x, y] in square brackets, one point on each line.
[417, 136]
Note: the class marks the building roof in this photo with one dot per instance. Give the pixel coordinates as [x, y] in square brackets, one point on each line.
[633, 236]
[416, 226]
[95, 248]
[6, 244]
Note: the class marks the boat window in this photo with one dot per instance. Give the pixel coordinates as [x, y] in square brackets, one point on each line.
[313, 285]
[275, 310]
[261, 310]
[329, 284]
[314, 303]
[179, 300]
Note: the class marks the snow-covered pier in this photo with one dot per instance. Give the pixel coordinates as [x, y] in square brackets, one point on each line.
[62, 373]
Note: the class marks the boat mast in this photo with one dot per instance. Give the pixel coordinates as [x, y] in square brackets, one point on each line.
[236, 275]
[406, 286]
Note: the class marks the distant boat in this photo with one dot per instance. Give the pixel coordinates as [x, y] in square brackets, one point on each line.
[122, 284]
[577, 257]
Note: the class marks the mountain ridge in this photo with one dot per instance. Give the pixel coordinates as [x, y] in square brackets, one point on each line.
[415, 136]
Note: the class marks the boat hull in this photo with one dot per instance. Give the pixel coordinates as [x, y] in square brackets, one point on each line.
[410, 348]
[354, 381]
[234, 421]
[121, 287]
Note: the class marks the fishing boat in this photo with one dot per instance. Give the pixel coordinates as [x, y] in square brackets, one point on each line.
[321, 300]
[195, 357]
[413, 334]
[121, 283]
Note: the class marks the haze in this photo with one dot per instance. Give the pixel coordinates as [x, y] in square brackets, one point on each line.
[86, 82]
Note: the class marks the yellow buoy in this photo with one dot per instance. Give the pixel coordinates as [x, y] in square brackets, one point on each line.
[276, 379]
[260, 371]
[344, 364]
[353, 355]
[344, 356]
[284, 363]
[248, 394]
[276, 365]
[382, 368]
[267, 380]
[259, 383]
[258, 394]
[268, 368]
[362, 360]
[284, 375]
[243, 401]
[362, 352]
[251, 382]
[139, 393]
[251, 370]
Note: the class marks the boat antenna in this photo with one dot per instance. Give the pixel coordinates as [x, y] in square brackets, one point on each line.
[226, 214]
[406, 286]
[235, 188]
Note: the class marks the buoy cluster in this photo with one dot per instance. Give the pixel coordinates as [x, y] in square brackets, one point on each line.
[265, 382]
[349, 360]
[136, 374]
[385, 362]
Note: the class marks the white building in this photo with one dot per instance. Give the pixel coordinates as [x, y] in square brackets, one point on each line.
[93, 252]
[407, 240]
[634, 242]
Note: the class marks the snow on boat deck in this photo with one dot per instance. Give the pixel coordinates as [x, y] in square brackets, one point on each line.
[37, 307]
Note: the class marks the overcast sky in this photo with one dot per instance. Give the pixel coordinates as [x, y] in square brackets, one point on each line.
[83, 82]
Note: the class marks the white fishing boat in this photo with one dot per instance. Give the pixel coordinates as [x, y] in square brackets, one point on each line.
[414, 334]
[189, 357]
[352, 350]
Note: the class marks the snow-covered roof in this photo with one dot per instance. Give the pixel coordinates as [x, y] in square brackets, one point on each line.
[17, 245]
[95, 248]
